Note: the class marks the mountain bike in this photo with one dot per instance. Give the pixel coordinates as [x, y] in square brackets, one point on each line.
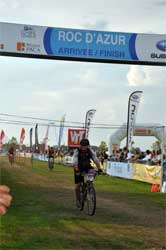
[11, 159]
[87, 192]
[50, 163]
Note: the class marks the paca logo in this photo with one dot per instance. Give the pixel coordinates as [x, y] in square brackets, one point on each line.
[161, 45]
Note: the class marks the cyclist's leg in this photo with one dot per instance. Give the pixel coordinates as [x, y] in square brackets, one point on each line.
[78, 179]
[53, 160]
[48, 162]
[11, 159]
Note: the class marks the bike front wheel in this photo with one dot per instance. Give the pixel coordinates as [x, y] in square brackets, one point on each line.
[82, 191]
[91, 200]
[11, 159]
[50, 164]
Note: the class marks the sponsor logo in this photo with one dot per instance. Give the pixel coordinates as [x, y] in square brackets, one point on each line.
[20, 46]
[28, 47]
[135, 97]
[161, 45]
[1, 46]
[158, 56]
[75, 136]
[28, 32]
[131, 124]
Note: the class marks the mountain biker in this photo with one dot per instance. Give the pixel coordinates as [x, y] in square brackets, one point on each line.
[11, 153]
[81, 161]
[11, 150]
[51, 153]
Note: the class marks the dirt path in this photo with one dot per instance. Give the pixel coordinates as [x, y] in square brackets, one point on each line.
[119, 211]
[122, 221]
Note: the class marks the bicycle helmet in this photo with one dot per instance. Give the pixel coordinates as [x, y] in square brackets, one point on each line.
[84, 142]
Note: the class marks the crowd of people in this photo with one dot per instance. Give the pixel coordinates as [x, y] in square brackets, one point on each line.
[150, 157]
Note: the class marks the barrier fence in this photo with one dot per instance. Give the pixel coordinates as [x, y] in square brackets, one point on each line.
[136, 171]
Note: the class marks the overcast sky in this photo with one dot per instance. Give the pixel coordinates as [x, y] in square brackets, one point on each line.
[49, 89]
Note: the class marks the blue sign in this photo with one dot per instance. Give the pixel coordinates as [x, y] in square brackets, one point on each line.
[90, 44]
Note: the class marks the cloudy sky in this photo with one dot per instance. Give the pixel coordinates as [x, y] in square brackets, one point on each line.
[49, 88]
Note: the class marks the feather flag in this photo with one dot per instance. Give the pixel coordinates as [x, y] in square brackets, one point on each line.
[46, 139]
[61, 129]
[22, 137]
[30, 138]
[2, 135]
[133, 103]
[88, 119]
[36, 139]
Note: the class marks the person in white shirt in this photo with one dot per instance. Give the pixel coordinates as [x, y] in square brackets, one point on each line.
[147, 156]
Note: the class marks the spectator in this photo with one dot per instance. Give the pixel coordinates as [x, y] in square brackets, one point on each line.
[154, 157]
[147, 156]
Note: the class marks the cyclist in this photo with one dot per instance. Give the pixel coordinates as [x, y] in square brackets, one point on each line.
[50, 154]
[11, 154]
[81, 161]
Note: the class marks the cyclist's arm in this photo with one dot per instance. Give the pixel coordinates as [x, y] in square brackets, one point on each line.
[75, 160]
[95, 159]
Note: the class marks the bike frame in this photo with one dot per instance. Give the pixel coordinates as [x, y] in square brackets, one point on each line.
[50, 163]
[11, 158]
[87, 188]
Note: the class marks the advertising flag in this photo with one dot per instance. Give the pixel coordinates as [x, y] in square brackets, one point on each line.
[2, 135]
[133, 103]
[30, 138]
[61, 129]
[88, 119]
[36, 139]
[46, 139]
[75, 136]
[22, 137]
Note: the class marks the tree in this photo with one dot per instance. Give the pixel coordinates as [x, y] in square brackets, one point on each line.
[103, 146]
[156, 145]
[13, 140]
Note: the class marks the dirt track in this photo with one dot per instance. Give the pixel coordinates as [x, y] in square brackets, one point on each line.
[127, 214]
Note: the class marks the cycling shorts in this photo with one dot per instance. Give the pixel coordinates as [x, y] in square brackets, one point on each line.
[78, 177]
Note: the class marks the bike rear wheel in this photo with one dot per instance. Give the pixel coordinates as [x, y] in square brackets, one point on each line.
[91, 200]
[50, 164]
[11, 159]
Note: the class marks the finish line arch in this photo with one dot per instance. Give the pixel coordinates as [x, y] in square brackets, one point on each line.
[142, 129]
[33, 41]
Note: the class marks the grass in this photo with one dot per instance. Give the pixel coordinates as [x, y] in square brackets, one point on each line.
[43, 214]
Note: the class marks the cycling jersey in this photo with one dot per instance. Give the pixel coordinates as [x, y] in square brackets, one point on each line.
[11, 151]
[82, 158]
[51, 153]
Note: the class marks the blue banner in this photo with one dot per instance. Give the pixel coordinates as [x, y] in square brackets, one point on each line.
[90, 44]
